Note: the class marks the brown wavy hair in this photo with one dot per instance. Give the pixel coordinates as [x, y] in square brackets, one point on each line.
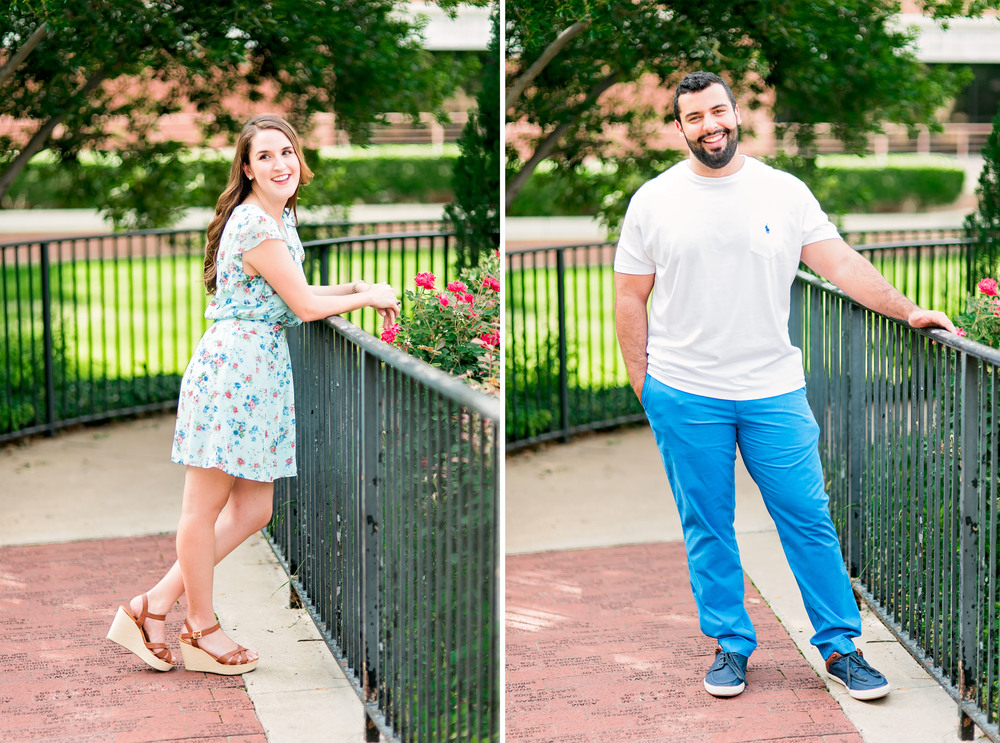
[239, 186]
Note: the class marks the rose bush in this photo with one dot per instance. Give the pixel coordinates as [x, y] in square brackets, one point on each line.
[458, 328]
[981, 320]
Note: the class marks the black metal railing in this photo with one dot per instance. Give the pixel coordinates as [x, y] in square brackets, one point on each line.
[392, 257]
[389, 532]
[939, 274]
[862, 238]
[101, 326]
[911, 451]
[564, 373]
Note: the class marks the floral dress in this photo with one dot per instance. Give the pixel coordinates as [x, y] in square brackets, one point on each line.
[236, 410]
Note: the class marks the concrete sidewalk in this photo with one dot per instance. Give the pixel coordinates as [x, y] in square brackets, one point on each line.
[88, 522]
[603, 491]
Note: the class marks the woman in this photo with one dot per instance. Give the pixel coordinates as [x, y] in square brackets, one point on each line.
[235, 418]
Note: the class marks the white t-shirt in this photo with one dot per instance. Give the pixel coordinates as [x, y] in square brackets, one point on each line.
[724, 252]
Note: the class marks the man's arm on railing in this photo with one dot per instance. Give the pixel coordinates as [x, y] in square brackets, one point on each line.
[841, 265]
[632, 324]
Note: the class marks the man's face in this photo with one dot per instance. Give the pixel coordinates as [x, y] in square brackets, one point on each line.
[709, 124]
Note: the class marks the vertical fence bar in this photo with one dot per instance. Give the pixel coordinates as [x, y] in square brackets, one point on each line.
[371, 451]
[564, 419]
[857, 436]
[47, 344]
[969, 526]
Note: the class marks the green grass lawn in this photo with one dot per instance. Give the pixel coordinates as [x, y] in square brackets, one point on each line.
[128, 317]
[532, 328]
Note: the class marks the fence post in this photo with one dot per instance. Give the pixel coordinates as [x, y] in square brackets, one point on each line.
[371, 451]
[324, 265]
[968, 544]
[855, 425]
[47, 342]
[563, 374]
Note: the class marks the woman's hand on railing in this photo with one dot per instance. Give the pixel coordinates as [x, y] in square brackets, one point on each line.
[383, 298]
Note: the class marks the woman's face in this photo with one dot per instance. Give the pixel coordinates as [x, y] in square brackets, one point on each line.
[273, 167]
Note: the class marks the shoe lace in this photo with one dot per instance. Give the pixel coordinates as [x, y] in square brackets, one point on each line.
[724, 659]
[856, 662]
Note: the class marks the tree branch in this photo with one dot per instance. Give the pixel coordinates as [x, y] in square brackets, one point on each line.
[522, 82]
[7, 71]
[40, 137]
[548, 144]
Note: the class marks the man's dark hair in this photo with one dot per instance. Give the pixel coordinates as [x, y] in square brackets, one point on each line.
[695, 83]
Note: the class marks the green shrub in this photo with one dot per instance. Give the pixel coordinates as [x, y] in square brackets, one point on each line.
[152, 188]
[842, 183]
[983, 225]
[380, 178]
[456, 327]
[474, 215]
[558, 193]
[851, 183]
[981, 319]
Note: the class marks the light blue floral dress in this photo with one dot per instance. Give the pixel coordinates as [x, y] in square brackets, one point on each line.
[236, 410]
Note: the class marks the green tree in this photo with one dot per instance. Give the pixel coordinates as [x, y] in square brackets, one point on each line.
[844, 63]
[475, 213]
[98, 75]
[983, 224]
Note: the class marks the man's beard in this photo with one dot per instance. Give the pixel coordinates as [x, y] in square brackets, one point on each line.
[720, 159]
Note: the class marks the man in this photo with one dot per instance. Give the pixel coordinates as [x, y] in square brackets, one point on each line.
[716, 240]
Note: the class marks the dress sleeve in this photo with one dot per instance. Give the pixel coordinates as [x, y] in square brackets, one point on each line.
[255, 229]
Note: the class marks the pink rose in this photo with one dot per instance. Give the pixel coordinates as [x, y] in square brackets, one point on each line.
[491, 339]
[960, 332]
[457, 287]
[443, 299]
[390, 333]
[424, 279]
[988, 287]
[491, 283]
[465, 298]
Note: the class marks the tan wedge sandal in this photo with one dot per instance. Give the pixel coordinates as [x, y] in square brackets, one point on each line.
[198, 659]
[127, 631]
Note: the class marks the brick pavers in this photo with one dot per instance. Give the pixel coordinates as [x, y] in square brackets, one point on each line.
[603, 645]
[62, 680]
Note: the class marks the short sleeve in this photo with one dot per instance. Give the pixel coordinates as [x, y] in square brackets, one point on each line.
[631, 257]
[816, 225]
[255, 229]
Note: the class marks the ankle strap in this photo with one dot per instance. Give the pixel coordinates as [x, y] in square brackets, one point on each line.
[145, 614]
[192, 635]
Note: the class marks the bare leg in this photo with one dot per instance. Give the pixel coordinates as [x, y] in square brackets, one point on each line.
[247, 511]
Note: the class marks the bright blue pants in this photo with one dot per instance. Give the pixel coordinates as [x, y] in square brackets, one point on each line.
[777, 437]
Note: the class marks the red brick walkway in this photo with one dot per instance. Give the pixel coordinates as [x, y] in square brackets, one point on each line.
[603, 645]
[62, 680]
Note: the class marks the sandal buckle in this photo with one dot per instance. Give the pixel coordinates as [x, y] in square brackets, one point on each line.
[196, 635]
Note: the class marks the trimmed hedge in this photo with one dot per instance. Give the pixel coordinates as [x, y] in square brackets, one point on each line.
[851, 183]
